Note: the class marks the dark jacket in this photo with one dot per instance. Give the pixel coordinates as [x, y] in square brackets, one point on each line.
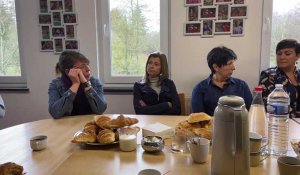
[156, 104]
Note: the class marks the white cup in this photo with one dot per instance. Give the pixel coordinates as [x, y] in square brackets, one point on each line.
[127, 139]
[199, 149]
[38, 143]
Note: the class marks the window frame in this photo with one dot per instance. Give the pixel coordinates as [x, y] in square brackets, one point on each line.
[16, 82]
[266, 34]
[103, 43]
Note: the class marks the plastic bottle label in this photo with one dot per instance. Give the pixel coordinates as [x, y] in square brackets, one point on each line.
[278, 109]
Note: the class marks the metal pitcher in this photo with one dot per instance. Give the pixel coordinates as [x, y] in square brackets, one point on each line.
[230, 144]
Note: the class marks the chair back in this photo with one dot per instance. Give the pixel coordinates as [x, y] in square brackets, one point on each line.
[182, 103]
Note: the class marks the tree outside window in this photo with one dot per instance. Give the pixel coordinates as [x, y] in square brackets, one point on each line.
[9, 47]
[135, 32]
[285, 24]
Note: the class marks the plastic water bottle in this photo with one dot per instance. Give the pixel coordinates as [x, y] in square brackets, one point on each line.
[278, 127]
[258, 121]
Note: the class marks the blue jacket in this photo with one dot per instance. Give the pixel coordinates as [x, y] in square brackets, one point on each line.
[61, 99]
[205, 95]
[156, 104]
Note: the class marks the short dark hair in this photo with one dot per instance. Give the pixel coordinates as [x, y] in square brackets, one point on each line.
[288, 43]
[67, 59]
[220, 56]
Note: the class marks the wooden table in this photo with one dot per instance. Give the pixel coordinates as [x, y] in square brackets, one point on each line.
[63, 157]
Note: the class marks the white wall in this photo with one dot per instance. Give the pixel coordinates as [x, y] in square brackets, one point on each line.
[188, 58]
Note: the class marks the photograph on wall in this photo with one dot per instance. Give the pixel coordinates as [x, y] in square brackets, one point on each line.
[56, 5]
[207, 28]
[58, 45]
[46, 32]
[208, 2]
[69, 5]
[208, 13]
[223, 12]
[223, 1]
[70, 31]
[237, 27]
[192, 28]
[238, 11]
[239, 1]
[222, 27]
[56, 19]
[58, 32]
[45, 19]
[193, 2]
[70, 18]
[71, 44]
[44, 6]
[46, 46]
[193, 13]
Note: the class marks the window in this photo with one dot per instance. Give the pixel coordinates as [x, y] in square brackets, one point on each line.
[128, 31]
[281, 21]
[11, 72]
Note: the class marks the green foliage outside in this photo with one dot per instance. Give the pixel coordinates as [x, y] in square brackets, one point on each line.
[132, 40]
[9, 48]
[284, 26]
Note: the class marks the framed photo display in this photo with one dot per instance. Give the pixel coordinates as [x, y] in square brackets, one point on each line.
[192, 28]
[58, 25]
[214, 17]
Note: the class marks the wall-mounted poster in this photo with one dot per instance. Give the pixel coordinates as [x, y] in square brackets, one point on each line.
[58, 45]
[215, 17]
[46, 46]
[207, 28]
[193, 2]
[237, 27]
[69, 6]
[43, 6]
[71, 44]
[238, 11]
[193, 12]
[192, 28]
[222, 27]
[208, 13]
[57, 21]
[223, 12]
[46, 31]
[70, 31]
[56, 5]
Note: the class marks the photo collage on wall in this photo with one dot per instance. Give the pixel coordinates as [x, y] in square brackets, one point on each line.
[207, 18]
[58, 21]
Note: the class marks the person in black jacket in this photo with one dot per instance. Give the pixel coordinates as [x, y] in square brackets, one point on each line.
[156, 94]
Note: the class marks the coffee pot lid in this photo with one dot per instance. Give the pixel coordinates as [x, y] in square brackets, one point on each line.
[231, 100]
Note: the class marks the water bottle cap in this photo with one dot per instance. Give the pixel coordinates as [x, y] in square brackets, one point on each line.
[278, 85]
[258, 88]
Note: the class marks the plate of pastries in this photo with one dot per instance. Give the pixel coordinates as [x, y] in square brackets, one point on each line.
[102, 130]
[197, 124]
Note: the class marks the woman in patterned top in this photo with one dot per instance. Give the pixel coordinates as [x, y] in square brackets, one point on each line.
[286, 73]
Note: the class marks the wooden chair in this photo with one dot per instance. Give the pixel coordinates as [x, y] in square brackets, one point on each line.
[182, 103]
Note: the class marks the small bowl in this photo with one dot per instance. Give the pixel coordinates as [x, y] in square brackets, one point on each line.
[152, 144]
[296, 146]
